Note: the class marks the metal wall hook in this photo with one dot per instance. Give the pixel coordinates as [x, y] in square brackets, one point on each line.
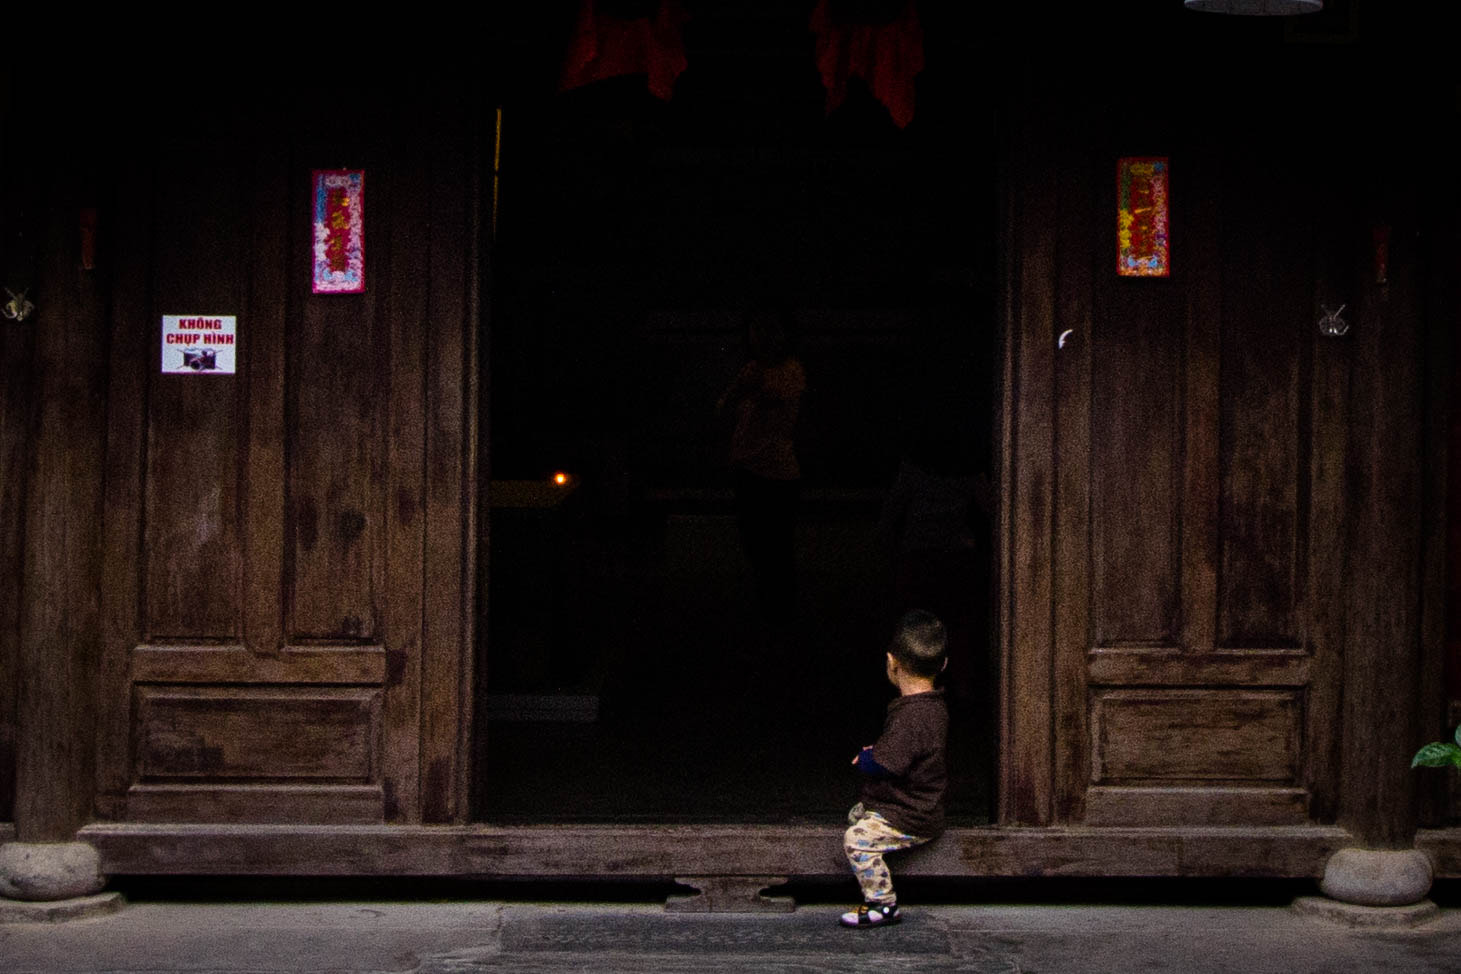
[17, 308]
[1332, 325]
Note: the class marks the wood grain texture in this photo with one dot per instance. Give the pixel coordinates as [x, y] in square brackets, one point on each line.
[476, 472]
[1197, 420]
[310, 665]
[1174, 666]
[667, 851]
[191, 582]
[256, 803]
[316, 473]
[1195, 735]
[407, 313]
[1135, 471]
[1328, 557]
[1025, 793]
[450, 478]
[1072, 549]
[1187, 805]
[336, 461]
[1444, 848]
[1200, 210]
[265, 341]
[221, 733]
[1384, 477]
[1263, 379]
[130, 366]
[17, 350]
[60, 615]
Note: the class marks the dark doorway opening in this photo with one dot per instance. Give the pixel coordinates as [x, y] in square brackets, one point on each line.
[631, 668]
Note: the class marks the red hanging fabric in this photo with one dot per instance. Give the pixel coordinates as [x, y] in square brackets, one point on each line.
[606, 46]
[887, 56]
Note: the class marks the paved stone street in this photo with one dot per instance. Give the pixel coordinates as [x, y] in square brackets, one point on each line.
[459, 937]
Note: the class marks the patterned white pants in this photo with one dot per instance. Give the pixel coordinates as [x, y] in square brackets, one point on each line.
[869, 836]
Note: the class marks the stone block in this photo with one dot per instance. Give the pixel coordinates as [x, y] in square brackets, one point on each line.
[39, 871]
[1378, 877]
[730, 894]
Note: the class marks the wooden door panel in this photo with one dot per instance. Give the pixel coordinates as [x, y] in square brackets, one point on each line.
[1183, 442]
[191, 517]
[1195, 757]
[335, 471]
[234, 709]
[268, 531]
[1134, 420]
[1179, 805]
[1184, 666]
[238, 664]
[255, 803]
[1192, 736]
[1263, 413]
[325, 734]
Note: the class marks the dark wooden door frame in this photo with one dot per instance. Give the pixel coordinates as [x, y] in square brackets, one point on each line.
[1023, 844]
[648, 852]
[1026, 842]
[420, 442]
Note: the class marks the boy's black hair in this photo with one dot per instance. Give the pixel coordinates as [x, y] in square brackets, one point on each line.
[919, 642]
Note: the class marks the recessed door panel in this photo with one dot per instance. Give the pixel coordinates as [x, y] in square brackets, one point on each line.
[273, 534]
[1188, 464]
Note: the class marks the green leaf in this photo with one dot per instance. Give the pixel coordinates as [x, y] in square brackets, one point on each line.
[1437, 754]
[1458, 735]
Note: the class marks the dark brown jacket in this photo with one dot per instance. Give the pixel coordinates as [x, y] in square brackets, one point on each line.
[911, 750]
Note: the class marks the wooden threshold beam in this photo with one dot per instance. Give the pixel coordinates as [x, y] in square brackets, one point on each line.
[1444, 848]
[649, 852]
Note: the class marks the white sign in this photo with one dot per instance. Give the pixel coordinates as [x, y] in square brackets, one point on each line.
[199, 343]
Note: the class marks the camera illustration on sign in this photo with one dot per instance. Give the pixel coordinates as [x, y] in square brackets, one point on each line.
[199, 344]
[200, 359]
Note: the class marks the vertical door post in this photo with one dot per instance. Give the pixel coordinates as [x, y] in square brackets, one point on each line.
[1383, 651]
[60, 567]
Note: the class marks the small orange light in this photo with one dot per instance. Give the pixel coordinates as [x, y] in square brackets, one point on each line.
[560, 478]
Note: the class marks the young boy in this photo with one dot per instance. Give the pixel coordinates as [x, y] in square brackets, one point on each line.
[903, 773]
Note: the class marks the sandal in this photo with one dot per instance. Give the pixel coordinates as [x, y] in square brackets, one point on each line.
[872, 915]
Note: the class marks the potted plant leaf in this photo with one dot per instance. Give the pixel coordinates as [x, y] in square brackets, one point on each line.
[1439, 754]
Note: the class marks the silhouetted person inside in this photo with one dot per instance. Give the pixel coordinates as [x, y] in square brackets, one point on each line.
[764, 400]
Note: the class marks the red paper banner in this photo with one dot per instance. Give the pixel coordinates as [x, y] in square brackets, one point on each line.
[1142, 245]
[339, 231]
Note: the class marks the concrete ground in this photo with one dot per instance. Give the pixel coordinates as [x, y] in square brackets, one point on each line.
[464, 935]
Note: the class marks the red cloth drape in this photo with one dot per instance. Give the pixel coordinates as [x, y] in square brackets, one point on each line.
[605, 46]
[887, 57]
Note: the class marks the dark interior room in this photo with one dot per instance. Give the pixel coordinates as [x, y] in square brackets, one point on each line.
[636, 666]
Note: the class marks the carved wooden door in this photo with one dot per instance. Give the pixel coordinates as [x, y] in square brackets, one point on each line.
[1184, 487]
[286, 610]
